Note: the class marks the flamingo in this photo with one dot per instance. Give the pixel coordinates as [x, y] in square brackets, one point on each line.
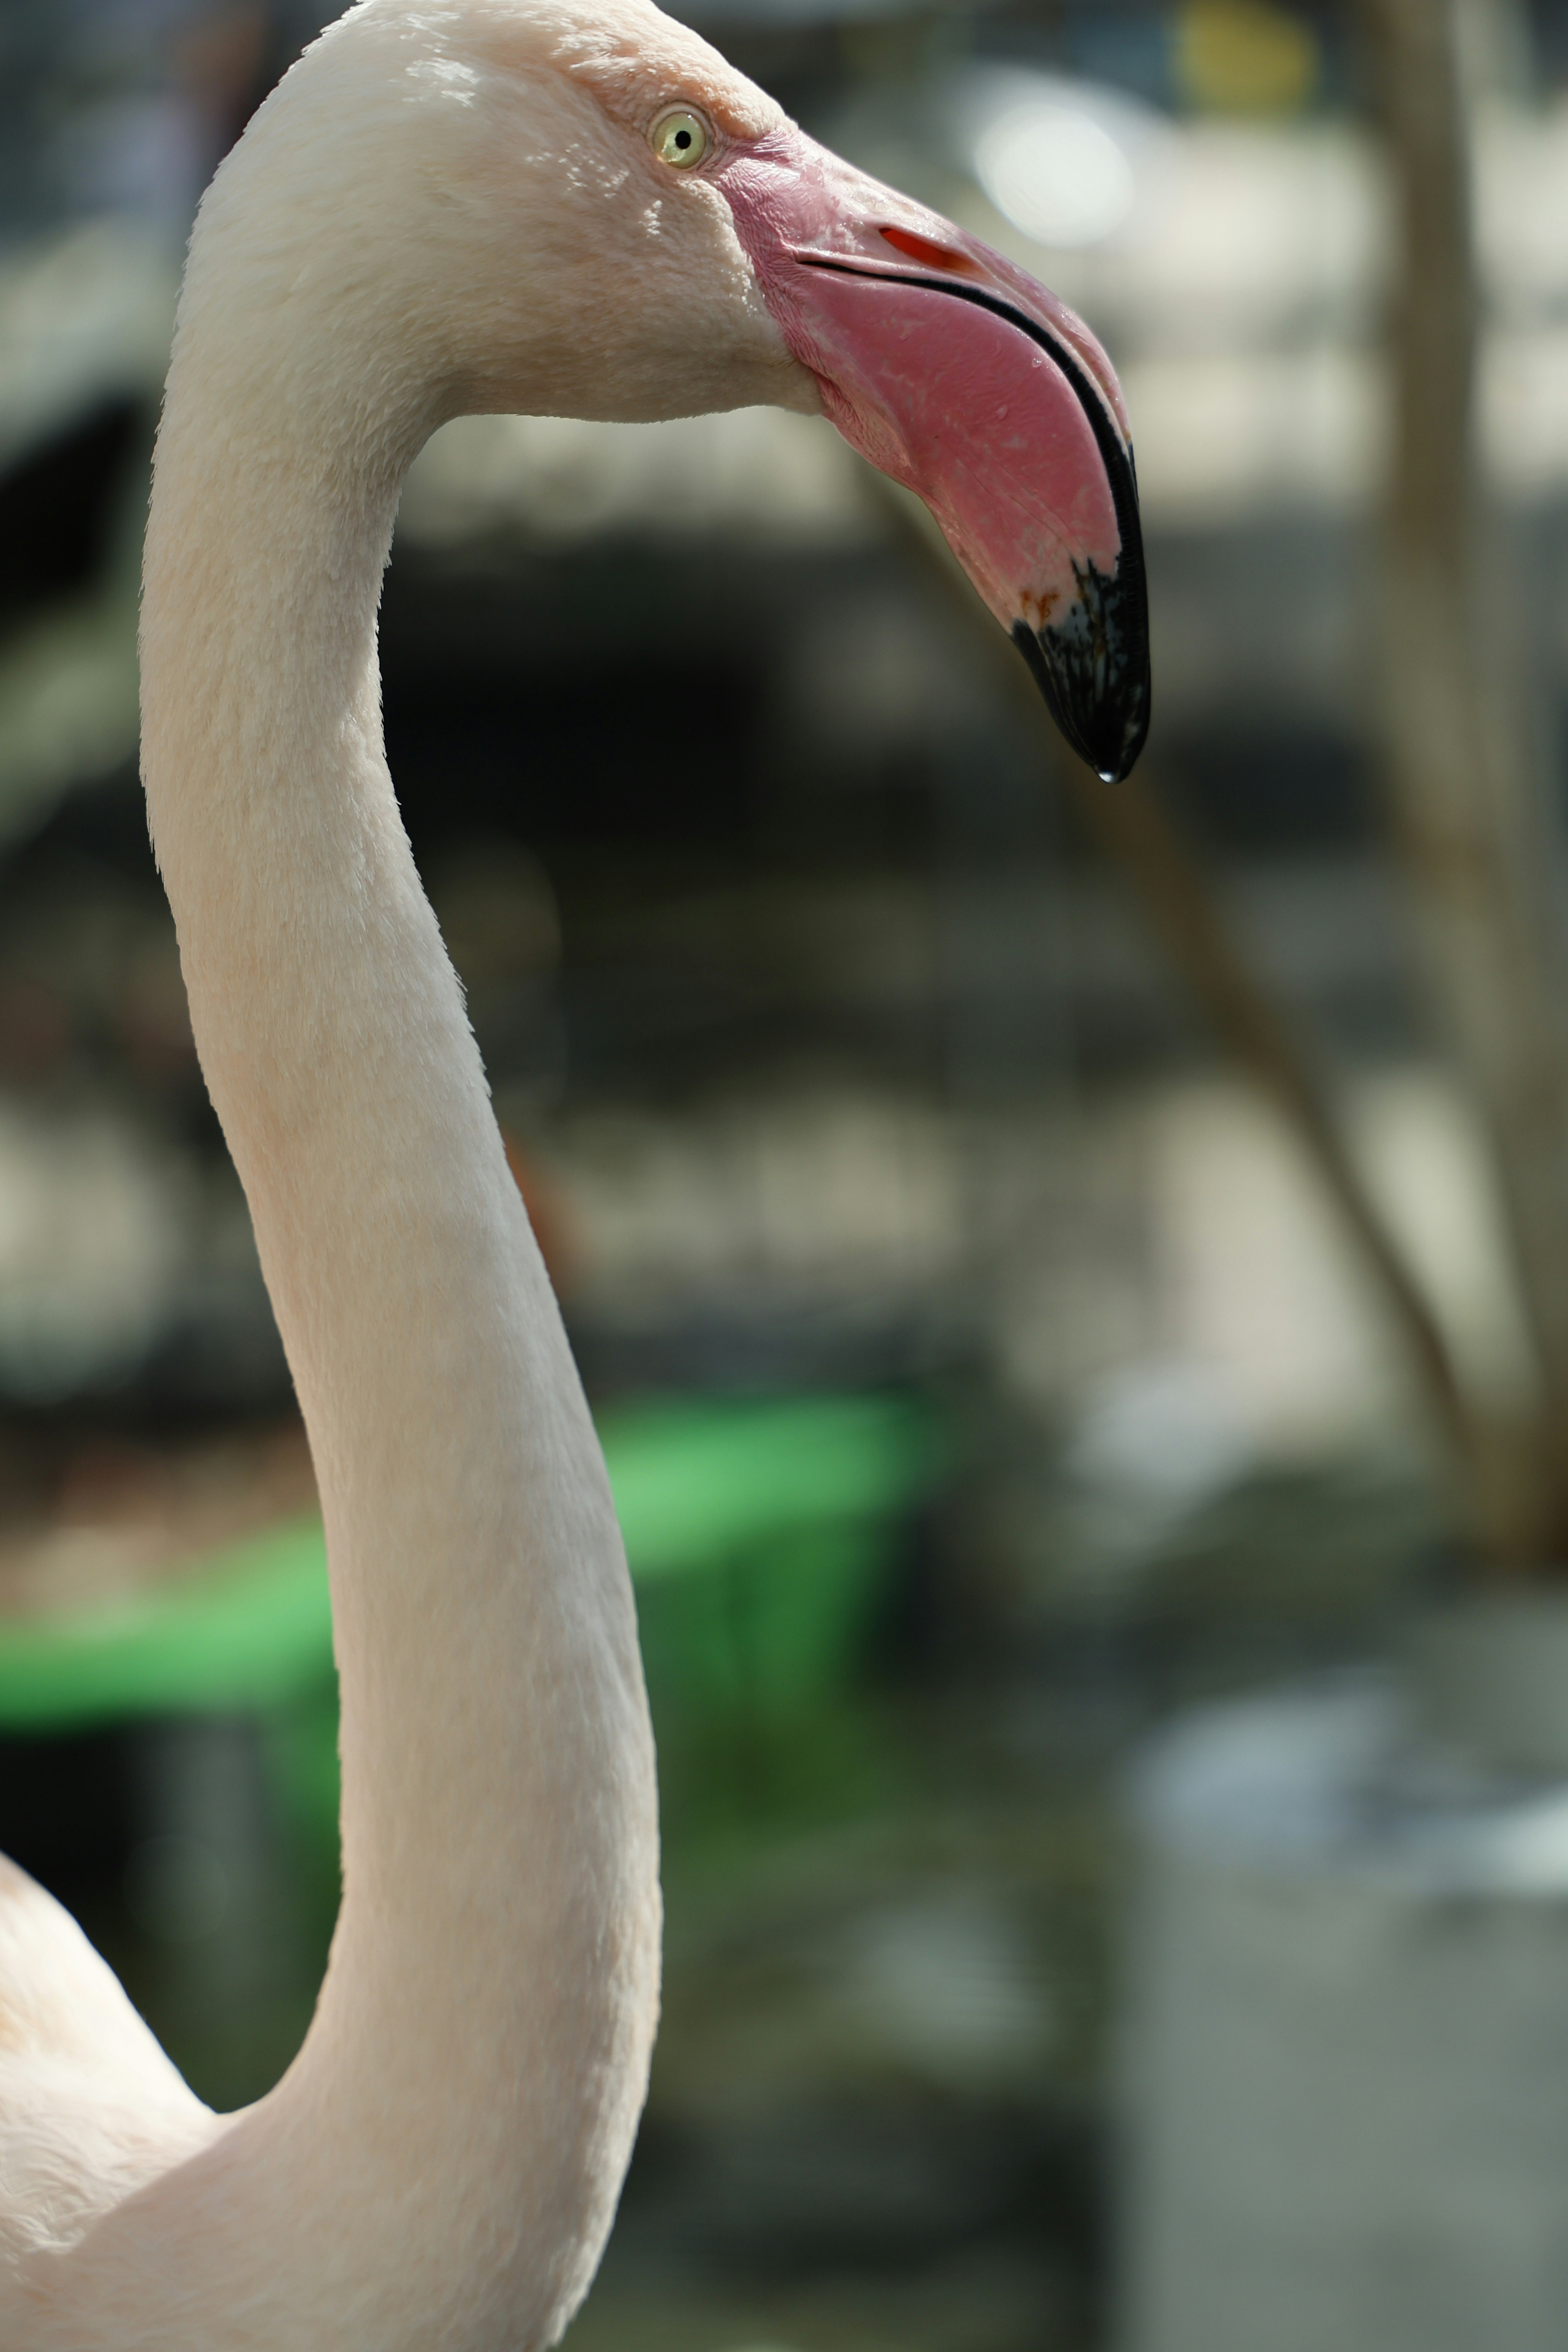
[571, 206]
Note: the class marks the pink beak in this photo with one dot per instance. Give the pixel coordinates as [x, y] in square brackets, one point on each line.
[960, 377]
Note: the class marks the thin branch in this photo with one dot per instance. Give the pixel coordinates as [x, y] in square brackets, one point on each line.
[1470, 803]
[1138, 836]
[1133, 827]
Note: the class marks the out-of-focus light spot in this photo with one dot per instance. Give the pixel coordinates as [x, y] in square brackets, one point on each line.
[1244, 57]
[1055, 173]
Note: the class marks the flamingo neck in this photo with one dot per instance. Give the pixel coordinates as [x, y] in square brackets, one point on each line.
[444, 2156]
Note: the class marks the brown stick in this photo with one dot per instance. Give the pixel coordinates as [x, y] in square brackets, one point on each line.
[1466, 796]
[1139, 837]
[1134, 828]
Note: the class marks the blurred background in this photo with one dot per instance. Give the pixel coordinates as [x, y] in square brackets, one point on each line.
[983, 1372]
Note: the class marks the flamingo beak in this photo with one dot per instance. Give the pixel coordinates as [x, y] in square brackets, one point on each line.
[960, 377]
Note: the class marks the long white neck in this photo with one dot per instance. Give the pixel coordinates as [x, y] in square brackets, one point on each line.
[441, 2163]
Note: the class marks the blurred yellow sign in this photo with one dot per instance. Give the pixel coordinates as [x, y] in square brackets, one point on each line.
[1244, 57]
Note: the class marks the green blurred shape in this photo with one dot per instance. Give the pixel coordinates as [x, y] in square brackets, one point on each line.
[757, 1533]
[247, 1633]
[759, 1538]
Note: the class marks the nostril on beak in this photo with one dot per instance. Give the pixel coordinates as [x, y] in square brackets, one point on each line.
[927, 251]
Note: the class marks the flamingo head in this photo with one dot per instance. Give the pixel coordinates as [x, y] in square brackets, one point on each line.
[591, 212]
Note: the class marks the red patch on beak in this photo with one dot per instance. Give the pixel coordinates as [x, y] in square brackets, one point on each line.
[927, 252]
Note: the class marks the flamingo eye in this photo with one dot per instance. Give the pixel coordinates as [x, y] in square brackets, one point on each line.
[680, 138]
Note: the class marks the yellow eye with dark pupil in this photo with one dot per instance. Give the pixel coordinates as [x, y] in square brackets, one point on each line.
[679, 138]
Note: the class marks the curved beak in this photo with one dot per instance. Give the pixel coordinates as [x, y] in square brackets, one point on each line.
[960, 377]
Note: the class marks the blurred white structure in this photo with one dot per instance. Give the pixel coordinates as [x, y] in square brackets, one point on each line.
[753, 473]
[1347, 2038]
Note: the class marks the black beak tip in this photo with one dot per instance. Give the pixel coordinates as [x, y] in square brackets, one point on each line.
[1093, 669]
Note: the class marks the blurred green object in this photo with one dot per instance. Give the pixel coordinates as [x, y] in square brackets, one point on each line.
[757, 1535]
